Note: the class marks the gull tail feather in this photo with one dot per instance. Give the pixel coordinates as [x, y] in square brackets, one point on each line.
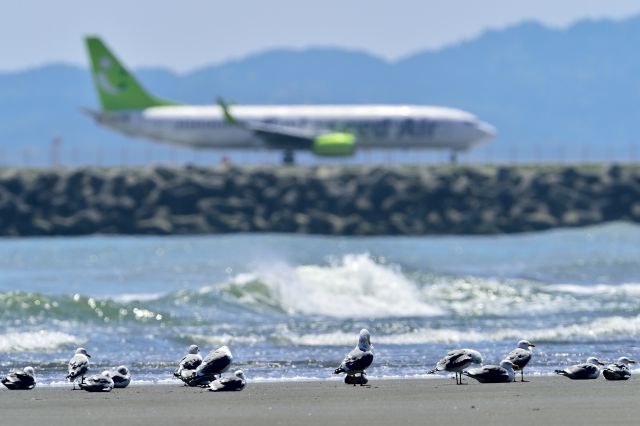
[338, 370]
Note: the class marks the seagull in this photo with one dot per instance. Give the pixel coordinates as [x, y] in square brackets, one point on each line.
[521, 356]
[189, 362]
[502, 373]
[121, 377]
[356, 380]
[237, 382]
[78, 366]
[457, 360]
[587, 370]
[211, 368]
[98, 383]
[359, 359]
[20, 380]
[618, 370]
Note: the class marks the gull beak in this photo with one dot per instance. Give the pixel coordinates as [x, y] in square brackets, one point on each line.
[531, 345]
[88, 356]
[632, 361]
[601, 363]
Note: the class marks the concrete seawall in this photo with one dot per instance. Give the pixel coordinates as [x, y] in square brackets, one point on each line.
[319, 200]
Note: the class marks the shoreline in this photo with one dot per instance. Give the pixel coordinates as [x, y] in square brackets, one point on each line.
[542, 400]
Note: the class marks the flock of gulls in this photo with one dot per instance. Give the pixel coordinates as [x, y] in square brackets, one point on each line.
[195, 371]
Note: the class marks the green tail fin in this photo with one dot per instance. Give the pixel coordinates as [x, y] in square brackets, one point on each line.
[118, 89]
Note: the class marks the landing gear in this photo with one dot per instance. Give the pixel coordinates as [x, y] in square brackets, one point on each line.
[453, 158]
[288, 157]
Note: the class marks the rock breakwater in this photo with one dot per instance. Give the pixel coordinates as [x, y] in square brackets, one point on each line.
[318, 200]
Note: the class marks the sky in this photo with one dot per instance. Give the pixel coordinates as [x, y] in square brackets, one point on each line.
[188, 34]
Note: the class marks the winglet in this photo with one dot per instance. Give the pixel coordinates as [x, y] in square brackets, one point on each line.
[228, 118]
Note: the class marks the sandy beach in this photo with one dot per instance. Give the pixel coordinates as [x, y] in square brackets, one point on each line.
[543, 400]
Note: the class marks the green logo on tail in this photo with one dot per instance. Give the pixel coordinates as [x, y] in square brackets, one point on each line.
[118, 89]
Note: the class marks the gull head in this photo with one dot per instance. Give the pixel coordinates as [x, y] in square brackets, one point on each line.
[593, 360]
[122, 370]
[106, 373]
[29, 371]
[508, 365]
[625, 361]
[194, 349]
[239, 374]
[364, 341]
[525, 344]
[82, 351]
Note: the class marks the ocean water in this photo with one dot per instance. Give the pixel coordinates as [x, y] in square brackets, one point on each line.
[290, 307]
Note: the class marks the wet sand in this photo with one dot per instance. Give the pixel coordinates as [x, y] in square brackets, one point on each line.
[543, 400]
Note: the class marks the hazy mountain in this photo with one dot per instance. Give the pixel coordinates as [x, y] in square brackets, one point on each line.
[547, 88]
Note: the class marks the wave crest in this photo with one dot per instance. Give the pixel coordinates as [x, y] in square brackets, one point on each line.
[352, 287]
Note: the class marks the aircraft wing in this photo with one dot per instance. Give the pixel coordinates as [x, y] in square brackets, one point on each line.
[279, 136]
[320, 141]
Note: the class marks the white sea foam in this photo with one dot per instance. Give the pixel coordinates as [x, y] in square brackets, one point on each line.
[355, 286]
[599, 329]
[136, 297]
[632, 289]
[36, 341]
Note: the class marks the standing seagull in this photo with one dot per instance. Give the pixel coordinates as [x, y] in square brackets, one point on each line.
[121, 377]
[98, 383]
[521, 356]
[237, 382]
[20, 380]
[456, 361]
[587, 370]
[359, 359]
[618, 370]
[78, 366]
[502, 373]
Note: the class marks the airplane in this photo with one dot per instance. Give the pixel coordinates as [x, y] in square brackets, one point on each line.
[324, 130]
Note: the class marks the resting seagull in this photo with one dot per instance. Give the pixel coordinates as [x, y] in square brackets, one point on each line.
[98, 383]
[521, 356]
[189, 362]
[502, 373]
[20, 380]
[618, 370]
[121, 377]
[456, 361]
[358, 360]
[78, 366]
[237, 382]
[587, 370]
[212, 366]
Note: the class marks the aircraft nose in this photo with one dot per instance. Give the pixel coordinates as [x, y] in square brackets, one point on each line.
[486, 131]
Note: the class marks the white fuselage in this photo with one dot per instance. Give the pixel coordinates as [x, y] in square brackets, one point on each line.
[374, 126]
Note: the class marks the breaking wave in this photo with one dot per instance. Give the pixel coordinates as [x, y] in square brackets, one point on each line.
[36, 341]
[352, 287]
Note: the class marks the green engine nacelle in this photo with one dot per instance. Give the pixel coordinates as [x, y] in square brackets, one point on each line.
[334, 145]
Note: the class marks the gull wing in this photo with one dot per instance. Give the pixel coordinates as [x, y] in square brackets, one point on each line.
[519, 357]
